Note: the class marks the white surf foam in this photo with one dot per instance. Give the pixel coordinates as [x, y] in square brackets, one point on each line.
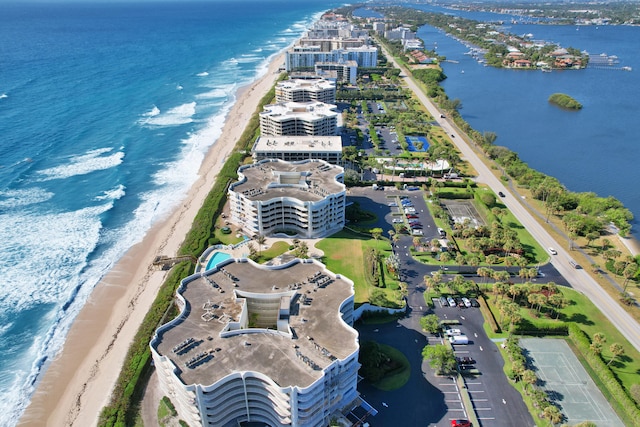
[215, 93]
[179, 115]
[202, 74]
[92, 161]
[113, 194]
[4, 95]
[153, 112]
[11, 199]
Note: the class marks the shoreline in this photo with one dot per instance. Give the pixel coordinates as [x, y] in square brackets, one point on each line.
[73, 389]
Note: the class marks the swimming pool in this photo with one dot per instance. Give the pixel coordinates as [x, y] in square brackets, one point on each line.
[216, 258]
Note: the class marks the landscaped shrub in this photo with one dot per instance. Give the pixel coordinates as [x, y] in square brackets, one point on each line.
[605, 376]
[488, 314]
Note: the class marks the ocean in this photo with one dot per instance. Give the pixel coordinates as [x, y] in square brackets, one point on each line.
[106, 113]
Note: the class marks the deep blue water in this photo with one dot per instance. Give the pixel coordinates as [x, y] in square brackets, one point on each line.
[594, 149]
[106, 113]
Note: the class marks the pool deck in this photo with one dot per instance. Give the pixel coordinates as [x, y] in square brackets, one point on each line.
[242, 251]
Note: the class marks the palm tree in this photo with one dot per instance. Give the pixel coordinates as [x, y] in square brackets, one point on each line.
[529, 378]
[260, 239]
[616, 350]
[552, 414]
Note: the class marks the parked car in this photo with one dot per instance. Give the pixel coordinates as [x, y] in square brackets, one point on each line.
[416, 232]
[459, 339]
[443, 302]
[461, 423]
[452, 332]
[466, 302]
[397, 220]
[412, 216]
[451, 301]
[393, 204]
[466, 360]
[474, 302]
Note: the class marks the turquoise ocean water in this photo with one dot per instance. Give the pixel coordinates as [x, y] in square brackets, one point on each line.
[106, 113]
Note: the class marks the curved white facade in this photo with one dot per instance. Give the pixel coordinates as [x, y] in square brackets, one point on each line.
[307, 198]
[299, 118]
[297, 372]
[299, 90]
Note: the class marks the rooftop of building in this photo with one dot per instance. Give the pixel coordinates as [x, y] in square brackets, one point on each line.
[294, 144]
[315, 84]
[311, 293]
[307, 180]
[309, 111]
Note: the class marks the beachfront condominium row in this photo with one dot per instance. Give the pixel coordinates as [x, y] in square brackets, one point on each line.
[308, 56]
[303, 90]
[267, 345]
[332, 40]
[305, 198]
[299, 118]
[302, 124]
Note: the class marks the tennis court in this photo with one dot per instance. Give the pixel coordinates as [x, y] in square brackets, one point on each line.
[463, 210]
[567, 383]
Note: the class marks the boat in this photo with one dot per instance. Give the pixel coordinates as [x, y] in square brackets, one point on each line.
[626, 68]
[545, 69]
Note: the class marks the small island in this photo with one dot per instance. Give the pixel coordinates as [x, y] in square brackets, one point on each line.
[565, 101]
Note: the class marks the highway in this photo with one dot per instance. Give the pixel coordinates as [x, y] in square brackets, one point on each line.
[579, 279]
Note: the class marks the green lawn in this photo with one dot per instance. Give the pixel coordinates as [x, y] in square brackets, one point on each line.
[227, 239]
[344, 254]
[399, 376]
[582, 312]
[277, 249]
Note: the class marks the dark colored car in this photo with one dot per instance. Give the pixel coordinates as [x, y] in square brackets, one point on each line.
[412, 216]
[466, 360]
[474, 302]
[501, 194]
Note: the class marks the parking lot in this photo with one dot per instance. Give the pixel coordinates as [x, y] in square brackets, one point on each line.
[494, 400]
[428, 399]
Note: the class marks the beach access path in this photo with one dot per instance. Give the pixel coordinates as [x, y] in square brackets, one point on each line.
[78, 382]
[579, 279]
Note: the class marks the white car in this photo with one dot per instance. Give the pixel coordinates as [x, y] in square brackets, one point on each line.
[553, 251]
[397, 220]
[417, 232]
[466, 301]
[451, 301]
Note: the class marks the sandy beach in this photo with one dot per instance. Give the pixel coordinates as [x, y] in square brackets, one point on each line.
[78, 383]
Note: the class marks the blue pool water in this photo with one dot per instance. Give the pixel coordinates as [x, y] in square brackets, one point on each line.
[216, 258]
[413, 140]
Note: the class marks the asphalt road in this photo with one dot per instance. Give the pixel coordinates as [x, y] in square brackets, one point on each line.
[578, 279]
